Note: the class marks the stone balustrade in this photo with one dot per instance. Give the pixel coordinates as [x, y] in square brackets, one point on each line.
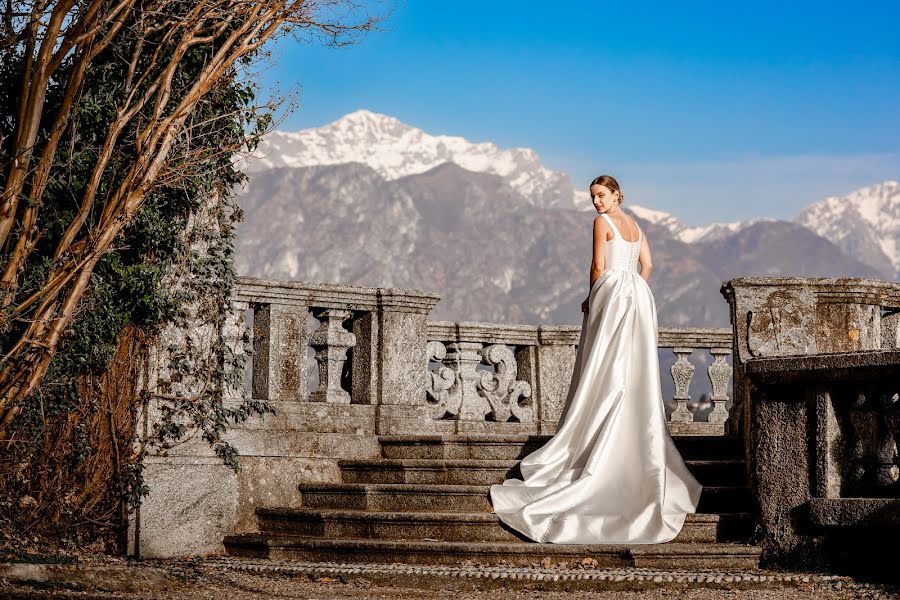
[684, 342]
[814, 386]
[374, 347]
[493, 378]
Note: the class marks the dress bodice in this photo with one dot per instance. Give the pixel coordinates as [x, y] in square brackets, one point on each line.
[622, 255]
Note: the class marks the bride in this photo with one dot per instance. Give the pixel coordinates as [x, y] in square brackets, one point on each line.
[611, 474]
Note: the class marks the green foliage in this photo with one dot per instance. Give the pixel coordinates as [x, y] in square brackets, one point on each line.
[162, 271]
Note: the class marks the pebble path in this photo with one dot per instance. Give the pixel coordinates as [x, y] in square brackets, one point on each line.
[583, 577]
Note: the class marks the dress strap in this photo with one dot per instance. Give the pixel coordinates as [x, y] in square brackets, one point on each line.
[611, 224]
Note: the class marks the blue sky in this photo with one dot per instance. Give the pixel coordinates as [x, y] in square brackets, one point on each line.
[713, 111]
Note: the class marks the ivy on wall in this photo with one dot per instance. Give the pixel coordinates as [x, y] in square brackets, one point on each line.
[71, 464]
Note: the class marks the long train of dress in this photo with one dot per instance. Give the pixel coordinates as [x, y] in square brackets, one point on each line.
[611, 474]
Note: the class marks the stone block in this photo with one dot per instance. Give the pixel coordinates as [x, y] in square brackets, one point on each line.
[316, 417]
[843, 327]
[192, 505]
[510, 428]
[890, 332]
[555, 364]
[302, 444]
[406, 419]
[271, 481]
[794, 316]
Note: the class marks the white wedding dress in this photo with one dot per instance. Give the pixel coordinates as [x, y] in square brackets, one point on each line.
[611, 474]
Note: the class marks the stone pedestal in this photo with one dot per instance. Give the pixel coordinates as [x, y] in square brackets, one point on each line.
[555, 354]
[401, 371]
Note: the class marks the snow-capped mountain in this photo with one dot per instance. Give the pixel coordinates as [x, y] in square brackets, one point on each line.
[865, 224]
[689, 235]
[394, 150]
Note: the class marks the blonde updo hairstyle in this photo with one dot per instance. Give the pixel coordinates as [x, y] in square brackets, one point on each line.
[608, 181]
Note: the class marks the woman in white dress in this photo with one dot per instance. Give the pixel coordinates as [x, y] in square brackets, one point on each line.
[611, 474]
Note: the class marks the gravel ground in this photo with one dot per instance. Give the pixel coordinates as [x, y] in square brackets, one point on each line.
[215, 580]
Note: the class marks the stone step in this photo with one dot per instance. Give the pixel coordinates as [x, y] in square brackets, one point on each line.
[388, 497]
[670, 556]
[442, 526]
[488, 472]
[396, 496]
[515, 447]
[726, 499]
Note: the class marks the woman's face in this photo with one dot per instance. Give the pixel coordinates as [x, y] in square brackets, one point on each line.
[603, 198]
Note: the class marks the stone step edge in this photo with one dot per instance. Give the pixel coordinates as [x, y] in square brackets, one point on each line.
[421, 577]
[438, 463]
[448, 488]
[285, 513]
[494, 438]
[508, 437]
[669, 549]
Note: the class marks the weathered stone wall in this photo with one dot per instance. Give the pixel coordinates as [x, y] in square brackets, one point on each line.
[193, 494]
[809, 354]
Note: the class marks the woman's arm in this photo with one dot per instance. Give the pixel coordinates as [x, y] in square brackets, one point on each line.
[598, 258]
[644, 257]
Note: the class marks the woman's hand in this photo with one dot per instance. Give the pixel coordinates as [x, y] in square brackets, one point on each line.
[585, 305]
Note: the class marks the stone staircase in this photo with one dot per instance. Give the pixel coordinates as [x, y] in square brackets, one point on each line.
[426, 502]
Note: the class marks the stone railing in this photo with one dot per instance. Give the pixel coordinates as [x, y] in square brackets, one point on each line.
[684, 342]
[368, 347]
[373, 347]
[491, 378]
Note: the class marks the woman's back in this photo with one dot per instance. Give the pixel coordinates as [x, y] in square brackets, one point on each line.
[620, 253]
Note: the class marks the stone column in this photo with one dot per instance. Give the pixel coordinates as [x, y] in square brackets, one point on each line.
[280, 339]
[555, 358]
[401, 367]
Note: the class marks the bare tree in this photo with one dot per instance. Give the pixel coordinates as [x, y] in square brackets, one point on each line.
[58, 42]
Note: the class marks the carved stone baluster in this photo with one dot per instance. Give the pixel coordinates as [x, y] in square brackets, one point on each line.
[331, 342]
[501, 389]
[464, 402]
[888, 440]
[682, 373]
[719, 373]
[440, 380]
[236, 337]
